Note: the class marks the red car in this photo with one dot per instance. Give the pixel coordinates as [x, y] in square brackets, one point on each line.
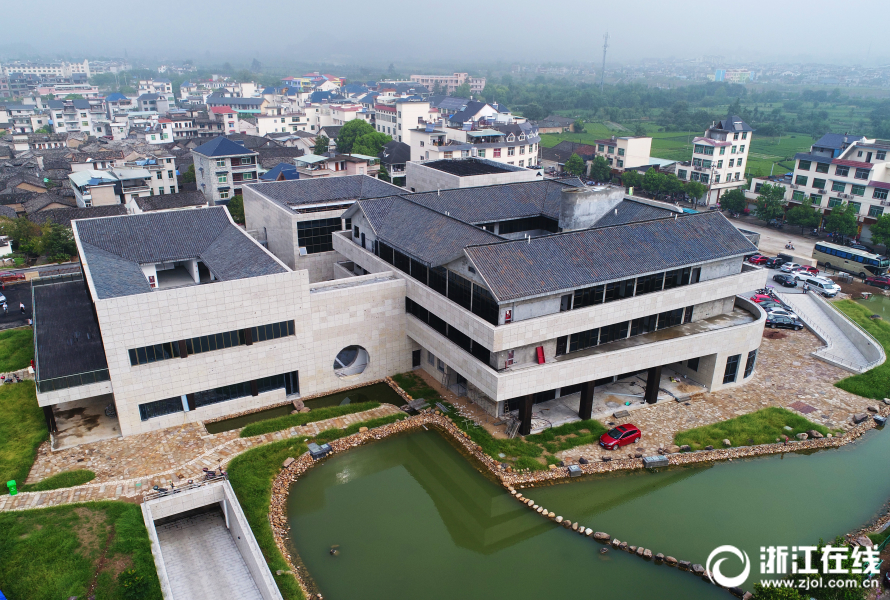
[881, 281]
[757, 259]
[806, 270]
[758, 298]
[620, 436]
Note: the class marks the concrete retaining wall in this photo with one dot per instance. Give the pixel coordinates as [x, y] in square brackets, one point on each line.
[861, 339]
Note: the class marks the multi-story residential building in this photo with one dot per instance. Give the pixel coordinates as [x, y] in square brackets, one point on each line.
[343, 113]
[156, 102]
[514, 144]
[281, 119]
[162, 87]
[312, 166]
[719, 158]
[245, 107]
[82, 115]
[449, 83]
[61, 90]
[222, 167]
[840, 169]
[4, 86]
[162, 168]
[733, 75]
[624, 152]
[225, 117]
[113, 186]
[96, 161]
[64, 69]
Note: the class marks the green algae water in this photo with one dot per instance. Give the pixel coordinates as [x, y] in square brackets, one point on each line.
[377, 392]
[414, 519]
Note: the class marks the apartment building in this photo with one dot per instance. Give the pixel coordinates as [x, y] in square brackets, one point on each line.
[719, 158]
[222, 167]
[83, 115]
[162, 87]
[112, 186]
[44, 70]
[515, 144]
[151, 101]
[841, 169]
[449, 83]
[624, 152]
[277, 118]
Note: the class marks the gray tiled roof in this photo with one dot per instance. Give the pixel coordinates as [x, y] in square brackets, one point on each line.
[421, 233]
[115, 247]
[497, 202]
[64, 216]
[167, 201]
[837, 140]
[630, 211]
[812, 157]
[565, 261]
[325, 189]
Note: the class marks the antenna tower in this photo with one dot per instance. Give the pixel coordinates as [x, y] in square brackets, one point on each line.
[603, 73]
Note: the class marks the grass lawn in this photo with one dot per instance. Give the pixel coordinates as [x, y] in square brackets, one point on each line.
[876, 382]
[54, 553]
[316, 414]
[16, 349]
[534, 452]
[22, 430]
[65, 479]
[878, 538]
[329, 435]
[761, 427]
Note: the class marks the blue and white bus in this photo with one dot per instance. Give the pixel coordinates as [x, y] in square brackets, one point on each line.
[857, 262]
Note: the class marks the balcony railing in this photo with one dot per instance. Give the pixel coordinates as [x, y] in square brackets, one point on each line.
[69, 381]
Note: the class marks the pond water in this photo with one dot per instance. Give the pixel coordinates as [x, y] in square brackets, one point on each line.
[878, 304]
[378, 392]
[410, 513]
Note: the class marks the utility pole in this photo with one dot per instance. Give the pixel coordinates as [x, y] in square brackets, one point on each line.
[603, 73]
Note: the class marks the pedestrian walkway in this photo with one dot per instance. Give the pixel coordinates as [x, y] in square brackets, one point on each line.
[839, 349]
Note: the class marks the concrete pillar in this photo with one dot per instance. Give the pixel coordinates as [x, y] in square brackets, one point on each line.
[50, 419]
[585, 410]
[525, 414]
[653, 379]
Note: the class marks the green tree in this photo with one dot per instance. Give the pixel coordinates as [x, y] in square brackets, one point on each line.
[57, 242]
[44, 129]
[770, 204]
[578, 126]
[189, 175]
[734, 201]
[461, 91]
[600, 169]
[74, 97]
[321, 145]
[803, 215]
[654, 182]
[632, 179]
[880, 232]
[236, 208]
[639, 130]
[695, 190]
[438, 90]
[25, 235]
[350, 132]
[575, 165]
[534, 111]
[775, 593]
[371, 144]
[842, 220]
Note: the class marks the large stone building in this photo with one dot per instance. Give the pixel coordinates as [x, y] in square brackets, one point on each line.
[513, 294]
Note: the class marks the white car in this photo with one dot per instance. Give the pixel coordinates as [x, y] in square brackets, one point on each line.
[781, 312]
[788, 267]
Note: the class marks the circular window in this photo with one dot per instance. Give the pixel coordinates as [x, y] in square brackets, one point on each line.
[351, 360]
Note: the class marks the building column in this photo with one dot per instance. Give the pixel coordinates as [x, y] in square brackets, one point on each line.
[525, 414]
[653, 379]
[50, 419]
[585, 410]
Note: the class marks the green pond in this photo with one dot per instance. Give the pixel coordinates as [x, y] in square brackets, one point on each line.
[414, 519]
[377, 392]
[878, 303]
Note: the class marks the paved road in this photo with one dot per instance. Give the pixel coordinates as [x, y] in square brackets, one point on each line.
[16, 293]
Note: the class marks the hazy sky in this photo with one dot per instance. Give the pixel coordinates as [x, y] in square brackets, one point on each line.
[413, 32]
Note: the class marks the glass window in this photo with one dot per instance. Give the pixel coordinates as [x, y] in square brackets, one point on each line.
[875, 211]
[881, 155]
[649, 283]
[821, 167]
[841, 171]
[838, 186]
[804, 165]
[862, 173]
[220, 162]
[749, 364]
[798, 195]
[732, 368]
[854, 206]
[879, 194]
[584, 339]
[619, 289]
[832, 202]
[315, 236]
[722, 150]
[857, 190]
[801, 180]
[819, 183]
[620, 151]
[681, 173]
[588, 296]
[222, 178]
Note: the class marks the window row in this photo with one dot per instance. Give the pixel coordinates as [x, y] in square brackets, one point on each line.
[638, 286]
[623, 330]
[460, 339]
[209, 343]
[315, 236]
[188, 402]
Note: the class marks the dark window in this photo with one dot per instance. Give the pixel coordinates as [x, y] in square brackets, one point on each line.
[585, 339]
[528, 224]
[616, 331]
[561, 344]
[418, 271]
[692, 363]
[385, 252]
[650, 283]
[670, 318]
[642, 325]
[696, 273]
[209, 343]
[401, 262]
[732, 368]
[459, 289]
[438, 279]
[315, 236]
[687, 314]
[749, 364]
[619, 289]
[588, 296]
[438, 324]
[484, 304]
[159, 408]
[677, 278]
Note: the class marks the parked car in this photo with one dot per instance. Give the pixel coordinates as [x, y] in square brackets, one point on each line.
[758, 298]
[881, 281]
[8, 277]
[620, 436]
[778, 224]
[780, 312]
[788, 267]
[782, 322]
[856, 245]
[774, 263]
[757, 259]
[824, 286]
[806, 270]
[785, 280]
